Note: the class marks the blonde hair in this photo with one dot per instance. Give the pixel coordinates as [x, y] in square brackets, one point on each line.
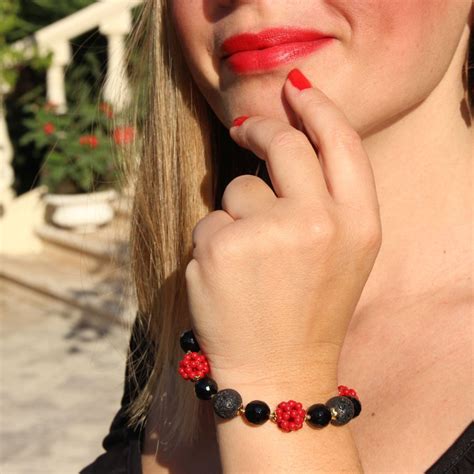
[187, 160]
[178, 181]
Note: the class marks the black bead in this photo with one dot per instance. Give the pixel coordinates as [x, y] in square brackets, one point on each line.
[188, 342]
[205, 388]
[257, 412]
[357, 405]
[344, 408]
[319, 414]
[226, 403]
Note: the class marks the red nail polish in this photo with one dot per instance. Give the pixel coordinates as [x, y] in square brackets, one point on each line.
[239, 120]
[298, 79]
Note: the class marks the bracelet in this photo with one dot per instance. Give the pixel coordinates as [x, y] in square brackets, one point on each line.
[289, 415]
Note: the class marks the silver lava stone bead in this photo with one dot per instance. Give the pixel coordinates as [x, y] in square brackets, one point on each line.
[344, 409]
[226, 403]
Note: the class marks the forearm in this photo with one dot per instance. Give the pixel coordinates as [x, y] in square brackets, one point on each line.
[268, 449]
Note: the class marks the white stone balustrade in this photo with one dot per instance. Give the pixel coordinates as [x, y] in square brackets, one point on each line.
[55, 79]
[6, 156]
[116, 88]
[113, 18]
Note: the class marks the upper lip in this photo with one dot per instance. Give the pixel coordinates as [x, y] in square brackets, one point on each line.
[267, 38]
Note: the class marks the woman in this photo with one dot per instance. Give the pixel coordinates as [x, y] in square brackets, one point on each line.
[323, 239]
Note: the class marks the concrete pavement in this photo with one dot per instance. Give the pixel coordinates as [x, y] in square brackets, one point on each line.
[61, 380]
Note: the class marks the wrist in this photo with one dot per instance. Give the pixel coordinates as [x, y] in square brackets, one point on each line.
[301, 395]
[310, 387]
[286, 370]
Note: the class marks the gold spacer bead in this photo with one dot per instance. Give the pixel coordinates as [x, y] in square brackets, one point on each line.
[273, 416]
[241, 410]
[307, 417]
[333, 413]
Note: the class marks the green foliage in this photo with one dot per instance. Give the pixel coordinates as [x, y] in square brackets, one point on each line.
[13, 27]
[82, 147]
[9, 56]
[85, 72]
[31, 15]
[58, 159]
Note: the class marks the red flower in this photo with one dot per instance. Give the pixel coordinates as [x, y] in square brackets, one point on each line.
[89, 140]
[49, 128]
[124, 135]
[106, 109]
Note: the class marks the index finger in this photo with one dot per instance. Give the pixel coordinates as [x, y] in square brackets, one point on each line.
[343, 158]
[292, 163]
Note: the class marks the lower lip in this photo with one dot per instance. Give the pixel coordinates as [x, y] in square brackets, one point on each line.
[269, 58]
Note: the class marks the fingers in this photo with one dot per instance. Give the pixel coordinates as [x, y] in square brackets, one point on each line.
[292, 163]
[247, 195]
[244, 196]
[206, 227]
[344, 161]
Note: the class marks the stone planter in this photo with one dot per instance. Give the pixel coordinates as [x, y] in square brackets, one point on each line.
[84, 212]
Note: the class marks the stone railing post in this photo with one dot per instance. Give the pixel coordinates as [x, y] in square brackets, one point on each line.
[116, 87]
[6, 155]
[55, 80]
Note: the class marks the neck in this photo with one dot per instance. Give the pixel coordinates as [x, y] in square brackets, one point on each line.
[423, 168]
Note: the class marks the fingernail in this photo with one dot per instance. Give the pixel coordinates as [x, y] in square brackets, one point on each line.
[298, 79]
[239, 120]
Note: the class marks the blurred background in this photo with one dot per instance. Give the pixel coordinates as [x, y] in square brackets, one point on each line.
[66, 304]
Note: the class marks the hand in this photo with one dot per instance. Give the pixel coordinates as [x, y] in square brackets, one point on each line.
[275, 279]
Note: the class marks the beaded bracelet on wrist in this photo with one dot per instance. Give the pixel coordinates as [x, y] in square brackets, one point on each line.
[289, 415]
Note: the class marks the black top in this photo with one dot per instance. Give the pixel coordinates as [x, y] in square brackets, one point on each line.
[123, 445]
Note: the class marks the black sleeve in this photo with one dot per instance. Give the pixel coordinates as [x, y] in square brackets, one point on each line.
[122, 444]
[459, 457]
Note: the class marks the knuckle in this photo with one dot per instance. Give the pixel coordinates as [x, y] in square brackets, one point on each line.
[286, 139]
[315, 101]
[221, 248]
[300, 139]
[346, 138]
[239, 186]
[371, 236]
[243, 180]
[322, 230]
[191, 269]
[197, 229]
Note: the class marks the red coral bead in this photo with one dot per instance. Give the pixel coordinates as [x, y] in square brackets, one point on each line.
[348, 392]
[352, 393]
[290, 415]
[193, 366]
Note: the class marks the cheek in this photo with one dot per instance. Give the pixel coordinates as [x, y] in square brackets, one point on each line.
[185, 17]
[402, 27]
[194, 34]
[397, 53]
[409, 30]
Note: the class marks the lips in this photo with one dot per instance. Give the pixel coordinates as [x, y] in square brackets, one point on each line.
[251, 52]
[268, 38]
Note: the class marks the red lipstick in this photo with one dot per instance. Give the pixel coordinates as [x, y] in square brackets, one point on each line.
[253, 52]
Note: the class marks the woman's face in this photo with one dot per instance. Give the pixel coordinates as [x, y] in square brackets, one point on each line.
[385, 56]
